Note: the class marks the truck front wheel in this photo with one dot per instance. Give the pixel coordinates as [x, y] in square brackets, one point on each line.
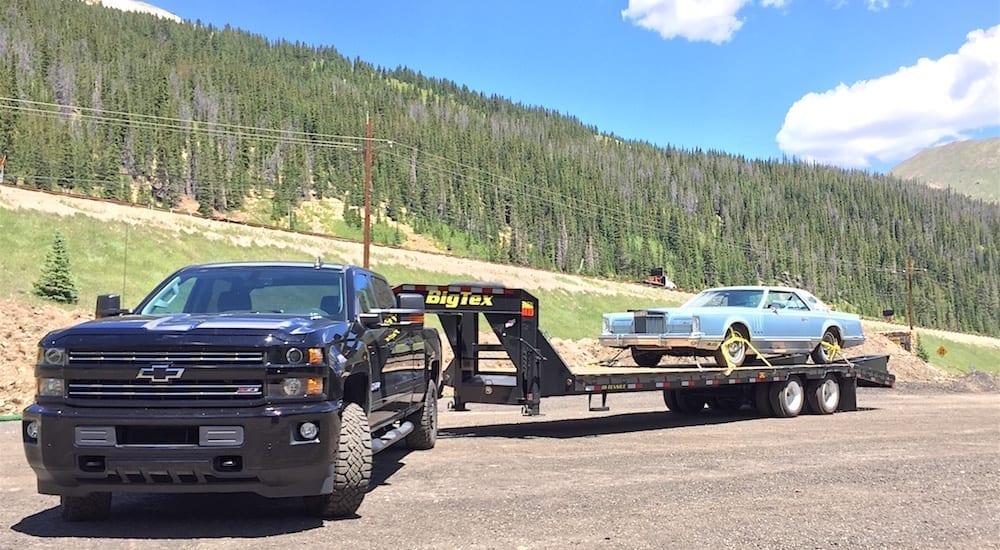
[352, 468]
[424, 434]
[90, 507]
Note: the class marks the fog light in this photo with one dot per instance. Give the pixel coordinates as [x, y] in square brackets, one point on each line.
[292, 387]
[308, 430]
[51, 387]
[31, 429]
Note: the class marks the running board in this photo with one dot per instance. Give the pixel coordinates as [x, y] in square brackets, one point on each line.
[392, 436]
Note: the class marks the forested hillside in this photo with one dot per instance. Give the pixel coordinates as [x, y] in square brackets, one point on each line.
[139, 108]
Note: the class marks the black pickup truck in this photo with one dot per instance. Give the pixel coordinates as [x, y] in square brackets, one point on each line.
[277, 378]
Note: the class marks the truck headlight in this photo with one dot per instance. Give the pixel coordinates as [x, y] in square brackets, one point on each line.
[53, 357]
[51, 387]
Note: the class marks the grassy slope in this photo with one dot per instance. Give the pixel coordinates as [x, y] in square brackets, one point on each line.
[969, 167]
[958, 357]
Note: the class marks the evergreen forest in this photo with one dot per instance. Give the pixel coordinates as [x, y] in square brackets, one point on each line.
[133, 107]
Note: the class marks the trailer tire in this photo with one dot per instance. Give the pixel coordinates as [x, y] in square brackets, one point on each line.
[822, 355]
[762, 399]
[787, 398]
[738, 351]
[425, 422]
[823, 396]
[682, 402]
[352, 468]
[90, 507]
[645, 358]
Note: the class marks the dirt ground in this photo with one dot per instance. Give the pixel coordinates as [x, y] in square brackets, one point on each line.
[22, 323]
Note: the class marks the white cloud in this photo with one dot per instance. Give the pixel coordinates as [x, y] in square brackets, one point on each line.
[713, 21]
[878, 5]
[137, 6]
[890, 118]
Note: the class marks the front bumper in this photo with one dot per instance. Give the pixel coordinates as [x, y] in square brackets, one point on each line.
[181, 451]
[658, 341]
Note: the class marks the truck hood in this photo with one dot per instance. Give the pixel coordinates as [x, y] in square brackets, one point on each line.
[243, 328]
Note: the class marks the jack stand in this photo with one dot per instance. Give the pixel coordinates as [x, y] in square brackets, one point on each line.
[604, 403]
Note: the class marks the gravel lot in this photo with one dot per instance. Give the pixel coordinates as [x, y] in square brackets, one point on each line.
[916, 468]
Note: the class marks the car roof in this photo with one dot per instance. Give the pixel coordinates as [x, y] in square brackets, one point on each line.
[218, 265]
[752, 287]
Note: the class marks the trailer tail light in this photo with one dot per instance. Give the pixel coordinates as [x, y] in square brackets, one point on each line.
[527, 309]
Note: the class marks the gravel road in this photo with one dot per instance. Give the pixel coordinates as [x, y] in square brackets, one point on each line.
[913, 469]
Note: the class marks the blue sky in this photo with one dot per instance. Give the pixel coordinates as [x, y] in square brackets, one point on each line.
[853, 83]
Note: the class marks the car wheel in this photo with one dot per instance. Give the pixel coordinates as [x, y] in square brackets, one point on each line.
[352, 468]
[737, 350]
[787, 398]
[823, 396]
[822, 355]
[645, 358]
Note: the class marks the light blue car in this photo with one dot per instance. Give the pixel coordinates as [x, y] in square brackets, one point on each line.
[775, 320]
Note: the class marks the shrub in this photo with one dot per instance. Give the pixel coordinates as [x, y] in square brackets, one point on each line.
[55, 283]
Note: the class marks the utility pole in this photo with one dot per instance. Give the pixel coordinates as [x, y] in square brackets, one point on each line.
[368, 188]
[909, 284]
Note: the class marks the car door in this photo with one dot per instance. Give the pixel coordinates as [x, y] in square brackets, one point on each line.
[408, 353]
[786, 322]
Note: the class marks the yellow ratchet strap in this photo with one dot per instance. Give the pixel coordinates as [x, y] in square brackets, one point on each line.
[736, 338]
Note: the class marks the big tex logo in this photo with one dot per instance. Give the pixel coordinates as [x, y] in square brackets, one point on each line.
[451, 301]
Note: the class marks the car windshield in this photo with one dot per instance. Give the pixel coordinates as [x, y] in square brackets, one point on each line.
[727, 298]
[259, 289]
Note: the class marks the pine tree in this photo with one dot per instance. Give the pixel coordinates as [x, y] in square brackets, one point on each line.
[55, 283]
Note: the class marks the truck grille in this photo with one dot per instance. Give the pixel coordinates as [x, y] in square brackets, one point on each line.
[164, 356]
[197, 390]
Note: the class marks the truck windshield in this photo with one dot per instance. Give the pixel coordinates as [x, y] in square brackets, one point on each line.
[287, 290]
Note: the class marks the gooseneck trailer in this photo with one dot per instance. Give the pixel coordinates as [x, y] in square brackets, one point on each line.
[517, 365]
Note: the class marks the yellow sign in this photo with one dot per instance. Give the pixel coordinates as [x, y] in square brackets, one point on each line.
[942, 352]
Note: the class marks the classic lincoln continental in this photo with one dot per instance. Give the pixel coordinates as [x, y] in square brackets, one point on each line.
[774, 320]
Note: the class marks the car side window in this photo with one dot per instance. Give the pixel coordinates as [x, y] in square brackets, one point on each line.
[383, 293]
[794, 302]
[364, 292]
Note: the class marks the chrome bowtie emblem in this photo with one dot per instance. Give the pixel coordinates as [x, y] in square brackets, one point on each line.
[160, 373]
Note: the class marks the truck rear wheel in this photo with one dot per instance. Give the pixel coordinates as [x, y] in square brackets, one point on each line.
[425, 421]
[352, 468]
[645, 358]
[787, 398]
[93, 506]
[823, 396]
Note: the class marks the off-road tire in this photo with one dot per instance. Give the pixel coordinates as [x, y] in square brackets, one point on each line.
[91, 507]
[646, 358]
[425, 422]
[352, 468]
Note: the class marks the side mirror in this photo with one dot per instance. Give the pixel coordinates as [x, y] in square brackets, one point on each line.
[108, 305]
[370, 320]
[411, 301]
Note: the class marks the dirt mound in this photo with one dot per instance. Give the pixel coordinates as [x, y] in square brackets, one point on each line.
[21, 326]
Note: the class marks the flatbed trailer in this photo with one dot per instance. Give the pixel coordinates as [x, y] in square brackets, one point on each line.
[519, 366]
